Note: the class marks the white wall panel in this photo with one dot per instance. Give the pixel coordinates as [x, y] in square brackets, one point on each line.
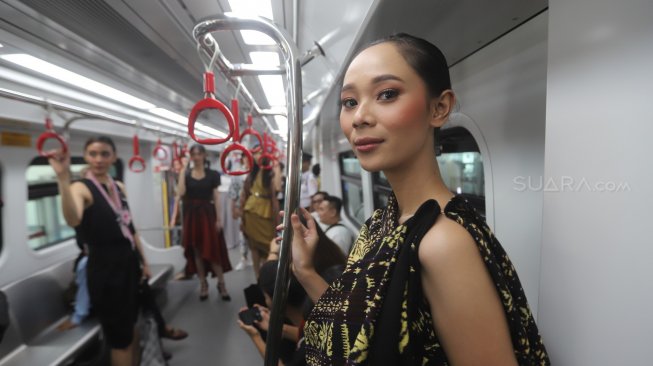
[596, 287]
[502, 88]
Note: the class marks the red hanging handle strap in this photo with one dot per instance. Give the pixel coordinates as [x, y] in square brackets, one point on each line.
[177, 151]
[50, 134]
[209, 102]
[136, 158]
[159, 152]
[236, 147]
[235, 114]
[252, 132]
[268, 153]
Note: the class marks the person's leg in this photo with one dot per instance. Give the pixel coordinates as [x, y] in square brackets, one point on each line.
[222, 288]
[121, 356]
[244, 251]
[128, 356]
[201, 273]
[149, 305]
[256, 259]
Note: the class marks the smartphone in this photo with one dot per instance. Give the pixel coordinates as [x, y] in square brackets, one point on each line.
[254, 295]
[250, 315]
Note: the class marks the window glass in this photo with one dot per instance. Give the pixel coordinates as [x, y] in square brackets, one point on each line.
[378, 178]
[463, 172]
[46, 225]
[349, 165]
[461, 166]
[352, 187]
[352, 193]
[381, 198]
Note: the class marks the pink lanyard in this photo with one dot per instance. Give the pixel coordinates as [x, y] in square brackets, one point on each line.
[123, 216]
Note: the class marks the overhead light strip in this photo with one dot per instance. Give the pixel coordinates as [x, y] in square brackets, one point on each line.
[59, 73]
[253, 8]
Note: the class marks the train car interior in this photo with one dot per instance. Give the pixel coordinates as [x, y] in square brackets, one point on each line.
[546, 142]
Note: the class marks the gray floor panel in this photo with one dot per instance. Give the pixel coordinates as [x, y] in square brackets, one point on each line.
[214, 336]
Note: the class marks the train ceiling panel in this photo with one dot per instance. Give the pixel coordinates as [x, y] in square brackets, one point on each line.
[100, 24]
[148, 45]
[458, 27]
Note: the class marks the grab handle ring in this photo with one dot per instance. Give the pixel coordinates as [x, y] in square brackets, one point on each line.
[159, 152]
[236, 147]
[252, 132]
[271, 161]
[47, 135]
[209, 102]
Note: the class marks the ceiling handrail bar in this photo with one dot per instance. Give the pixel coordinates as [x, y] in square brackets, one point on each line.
[292, 67]
[83, 112]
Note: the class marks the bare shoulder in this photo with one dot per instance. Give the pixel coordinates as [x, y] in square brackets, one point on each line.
[80, 188]
[447, 244]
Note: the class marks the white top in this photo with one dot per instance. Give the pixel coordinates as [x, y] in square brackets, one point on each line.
[341, 235]
[308, 188]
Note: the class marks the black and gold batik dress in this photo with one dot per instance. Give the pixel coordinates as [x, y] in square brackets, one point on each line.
[376, 312]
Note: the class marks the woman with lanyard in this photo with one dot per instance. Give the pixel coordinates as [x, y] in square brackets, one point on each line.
[202, 234]
[426, 283]
[97, 205]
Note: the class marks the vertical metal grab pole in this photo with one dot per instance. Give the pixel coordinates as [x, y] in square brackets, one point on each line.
[227, 21]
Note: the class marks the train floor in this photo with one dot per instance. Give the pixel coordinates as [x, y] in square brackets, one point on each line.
[214, 336]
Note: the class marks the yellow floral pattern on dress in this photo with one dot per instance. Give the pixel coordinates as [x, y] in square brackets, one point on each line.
[353, 303]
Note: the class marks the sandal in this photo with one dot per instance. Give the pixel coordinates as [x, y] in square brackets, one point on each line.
[174, 334]
[204, 290]
[222, 289]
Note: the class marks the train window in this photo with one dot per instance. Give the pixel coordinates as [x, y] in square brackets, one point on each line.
[352, 187]
[461, 166]
[381, 189]
[45, 222]
[352, 193]
[349, 165]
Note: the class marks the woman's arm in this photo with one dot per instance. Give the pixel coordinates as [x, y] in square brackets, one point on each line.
[175, 212]
[289, 331]
[75, 196]
[467, 313]
[256, 338]
[273, 189]
[181, 182]
[276, 179]
[245, 193]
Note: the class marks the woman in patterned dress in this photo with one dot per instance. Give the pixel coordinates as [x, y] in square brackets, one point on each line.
[426, 283]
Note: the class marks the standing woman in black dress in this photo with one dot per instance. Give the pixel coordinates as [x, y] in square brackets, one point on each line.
[98, 206]
[202, 235]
